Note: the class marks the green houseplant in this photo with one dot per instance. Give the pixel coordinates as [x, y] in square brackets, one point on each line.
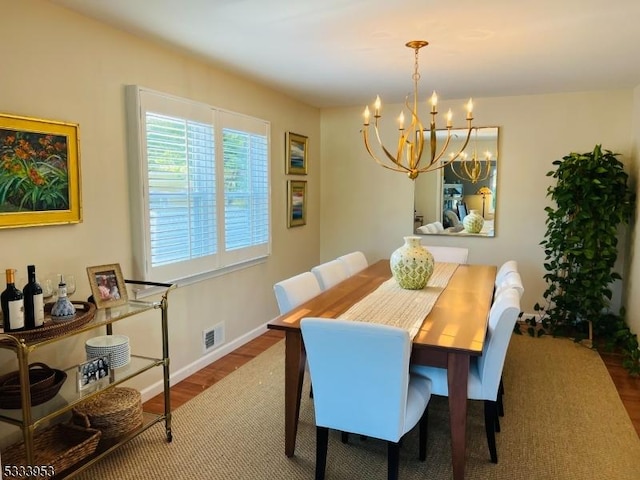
[592, 199]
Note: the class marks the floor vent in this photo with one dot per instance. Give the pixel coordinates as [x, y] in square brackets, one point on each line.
[213, 337]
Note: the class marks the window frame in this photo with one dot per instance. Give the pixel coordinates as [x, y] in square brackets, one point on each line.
[139, 100]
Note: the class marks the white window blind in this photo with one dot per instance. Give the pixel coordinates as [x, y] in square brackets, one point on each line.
[204, 178]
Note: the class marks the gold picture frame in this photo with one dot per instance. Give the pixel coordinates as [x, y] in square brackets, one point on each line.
[39, 172]
[296, 148]
[107, 285]
[297, 203]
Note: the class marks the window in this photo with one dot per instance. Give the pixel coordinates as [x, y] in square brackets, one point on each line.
[200, 186]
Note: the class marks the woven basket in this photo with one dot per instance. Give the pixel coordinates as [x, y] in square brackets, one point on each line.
[44, 382]
[60, 446]
[114, 412]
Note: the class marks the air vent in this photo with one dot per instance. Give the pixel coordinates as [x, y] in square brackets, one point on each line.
[213, 337]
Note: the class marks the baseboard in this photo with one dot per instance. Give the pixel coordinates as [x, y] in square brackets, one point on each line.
[218, 353]
[527, 316]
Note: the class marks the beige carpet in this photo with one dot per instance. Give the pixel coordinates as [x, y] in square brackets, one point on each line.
[564, 420]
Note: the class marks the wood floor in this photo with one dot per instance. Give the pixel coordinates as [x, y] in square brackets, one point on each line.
[628, 387]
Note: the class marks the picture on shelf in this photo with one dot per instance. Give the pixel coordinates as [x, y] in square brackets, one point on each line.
[94, 372]
[107, 285]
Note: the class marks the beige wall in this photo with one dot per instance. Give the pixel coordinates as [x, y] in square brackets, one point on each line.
[59, 65]
[633, 273]
[368, 207]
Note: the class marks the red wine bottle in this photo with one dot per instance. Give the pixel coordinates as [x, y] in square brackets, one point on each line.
[33, 301]
[12, 304]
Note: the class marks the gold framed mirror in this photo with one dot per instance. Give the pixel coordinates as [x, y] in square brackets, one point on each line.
[467, 184]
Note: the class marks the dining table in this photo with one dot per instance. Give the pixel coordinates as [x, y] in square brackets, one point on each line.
[449, 336]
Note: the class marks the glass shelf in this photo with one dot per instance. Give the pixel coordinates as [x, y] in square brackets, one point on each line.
[69, 396]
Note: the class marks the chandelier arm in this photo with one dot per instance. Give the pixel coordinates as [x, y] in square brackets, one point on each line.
[399, 168]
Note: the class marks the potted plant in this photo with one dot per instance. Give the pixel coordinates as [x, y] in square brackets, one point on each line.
[592, 200]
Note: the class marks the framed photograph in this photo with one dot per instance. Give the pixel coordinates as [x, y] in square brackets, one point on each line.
[95, 371]
[296, 148]
[39, 172]
[297, 203]
[107, 285]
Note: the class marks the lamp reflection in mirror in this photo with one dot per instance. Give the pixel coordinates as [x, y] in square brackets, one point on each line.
[411, 141]
[484, 191]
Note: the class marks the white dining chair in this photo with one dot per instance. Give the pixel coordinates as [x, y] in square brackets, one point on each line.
[505, 268]
[362, 385]
[330, 273]
[449, 254]
[354, 262]
[509, 280]
[296, 290]
[485, 373]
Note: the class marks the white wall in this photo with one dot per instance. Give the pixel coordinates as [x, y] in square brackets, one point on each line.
[60, 65]
[368, 207]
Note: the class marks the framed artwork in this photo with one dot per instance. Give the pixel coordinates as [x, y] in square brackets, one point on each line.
[94, 371]
[296, 147]
[297, 203]
[107, 285]
[39, 172]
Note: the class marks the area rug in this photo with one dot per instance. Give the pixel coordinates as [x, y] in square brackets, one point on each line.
[563, 420]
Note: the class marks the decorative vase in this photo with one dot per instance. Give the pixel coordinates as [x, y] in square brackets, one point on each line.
[473, 222]
[412, 264]
[63, 310]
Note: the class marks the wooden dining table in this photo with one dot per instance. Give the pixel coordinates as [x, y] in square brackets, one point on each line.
[451, 334]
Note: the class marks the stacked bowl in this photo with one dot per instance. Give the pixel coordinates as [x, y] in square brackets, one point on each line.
[115, 345]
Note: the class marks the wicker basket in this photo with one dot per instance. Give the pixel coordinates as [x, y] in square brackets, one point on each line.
[84, 314]
[60, 446]
[44, 382]
[116, 412]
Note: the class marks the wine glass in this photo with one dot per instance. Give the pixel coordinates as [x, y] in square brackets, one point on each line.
[49, 285]
[70, 280]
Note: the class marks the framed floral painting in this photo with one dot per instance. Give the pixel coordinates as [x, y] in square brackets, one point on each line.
[39, 172]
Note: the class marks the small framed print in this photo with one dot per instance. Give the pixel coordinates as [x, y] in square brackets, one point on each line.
[297, 203]
[296, 147]
[94, 372]
[107, 285]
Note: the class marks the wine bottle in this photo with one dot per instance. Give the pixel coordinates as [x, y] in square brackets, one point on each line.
[33, 301]
[12, 304]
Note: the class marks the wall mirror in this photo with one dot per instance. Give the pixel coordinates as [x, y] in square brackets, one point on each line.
[443, 198]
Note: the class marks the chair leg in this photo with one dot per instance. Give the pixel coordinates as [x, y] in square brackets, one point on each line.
[490, 417]
[322, 441]
[500, 394]
[393, 460]
[422, 443]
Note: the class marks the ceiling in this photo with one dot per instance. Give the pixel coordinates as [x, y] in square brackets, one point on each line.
[344, 52]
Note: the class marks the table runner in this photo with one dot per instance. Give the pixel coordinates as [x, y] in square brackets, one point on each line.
[391, 305]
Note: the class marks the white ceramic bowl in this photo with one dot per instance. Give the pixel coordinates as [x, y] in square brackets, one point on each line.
[115, 345]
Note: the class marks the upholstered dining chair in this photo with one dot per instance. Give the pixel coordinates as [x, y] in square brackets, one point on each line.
[330, 273]
[509, 280]
[505, 268]
[485, 373]
[354, 262]
[296, 290]
[362, 385]
[449, 254]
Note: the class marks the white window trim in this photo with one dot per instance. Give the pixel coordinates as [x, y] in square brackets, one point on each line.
[225, 262]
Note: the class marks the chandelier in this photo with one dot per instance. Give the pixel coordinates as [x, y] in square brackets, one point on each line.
[472, 169]
[411, 141]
